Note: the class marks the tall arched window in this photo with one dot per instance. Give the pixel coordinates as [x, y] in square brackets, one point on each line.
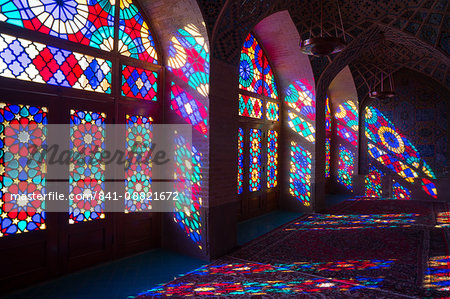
[327, 138]
[258, 123]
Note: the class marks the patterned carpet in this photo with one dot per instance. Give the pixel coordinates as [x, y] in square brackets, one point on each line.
[359, 249]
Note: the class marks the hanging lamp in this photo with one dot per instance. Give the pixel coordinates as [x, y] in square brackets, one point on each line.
[324, 45]
[384, 94]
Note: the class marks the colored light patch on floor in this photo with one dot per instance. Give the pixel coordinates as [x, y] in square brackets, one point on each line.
[437, 275]
[352, 265]
[443, 219]
[336, 222]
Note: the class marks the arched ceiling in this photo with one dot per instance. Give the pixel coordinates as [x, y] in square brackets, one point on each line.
[417, 33]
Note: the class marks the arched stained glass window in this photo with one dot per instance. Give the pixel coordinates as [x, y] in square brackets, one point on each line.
[260, 111]
[76, 45]
[327, 138]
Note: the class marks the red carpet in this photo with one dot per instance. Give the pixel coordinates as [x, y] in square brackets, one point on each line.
[363, 249]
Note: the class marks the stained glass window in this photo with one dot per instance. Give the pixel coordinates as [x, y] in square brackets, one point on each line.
[327, 116]
[189, 177]
[373, 182]
[302, 127]
[400, 192]
[138, 168]
[86, 177]
[189, 58]
[255, 160]
[31, 61]
[251, 107]
[300, 97]
[327, 157]
[240, 160]
[139, 83]
[135, 39]
[255, 73]
[272, 159]
[86, 22]
[300, 174]
[24, 132]
[272, 111]
[190, 109]
[345, 168]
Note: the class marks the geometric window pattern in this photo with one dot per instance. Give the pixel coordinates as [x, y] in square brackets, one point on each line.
[85, 22]
[138, 169]
[300, 96]
[393, 164]
[255, 160]
[400, 192]
[272, 111]
[189, 58]
[190, 109]
[23, 131]
[135, 39]
[139, 83]
[86, 180]
[188, 181]
[36, 62]
[300, 174]
[251, 107]
[429, 187]
[327, 116]
[327, 156]
[255, 73]
[272, 158]
[240, 160]
[346, 167]
[373, 182]
[302, 127]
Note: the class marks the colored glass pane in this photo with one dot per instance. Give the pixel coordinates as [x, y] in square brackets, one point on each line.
[272, 111]
[255, 160]
[135, 38]
[139, 83]
[30, 61]
[85, 22]
[24, 132]
[302, 127]
[327, 156]
[138, 168]
[346, 168]
[255, 73]
[190, 109]
[189, 58]
[251, 107]
[300, 96]
[188, 182]
[240, 177]
[272, 159]
[373, 182]
[327, 116]
[86, 176]
[300, 174]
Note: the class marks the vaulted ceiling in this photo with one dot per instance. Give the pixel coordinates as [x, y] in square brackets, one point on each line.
[413, 34]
